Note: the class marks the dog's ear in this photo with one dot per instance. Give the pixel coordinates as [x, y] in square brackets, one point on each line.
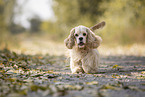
[98, 26]
[93, 41]
[70, 42]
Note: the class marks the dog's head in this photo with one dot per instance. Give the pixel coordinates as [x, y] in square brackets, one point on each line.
[82, 37]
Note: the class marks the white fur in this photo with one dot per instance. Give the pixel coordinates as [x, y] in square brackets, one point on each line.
[83, 58]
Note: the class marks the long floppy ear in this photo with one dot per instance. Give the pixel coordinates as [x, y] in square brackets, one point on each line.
[93, 41]
[70, 42]
[97, 26]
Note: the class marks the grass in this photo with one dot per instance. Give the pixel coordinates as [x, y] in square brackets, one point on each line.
[42, 45]
[52, 48]
[134, 50]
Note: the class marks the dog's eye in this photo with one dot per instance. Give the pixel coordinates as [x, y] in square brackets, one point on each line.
[84, 34]
[76, 35]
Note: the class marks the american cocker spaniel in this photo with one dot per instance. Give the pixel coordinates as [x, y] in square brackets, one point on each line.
[83, 44]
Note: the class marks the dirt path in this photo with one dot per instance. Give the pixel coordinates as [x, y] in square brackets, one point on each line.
[49, 76]
[118, 76]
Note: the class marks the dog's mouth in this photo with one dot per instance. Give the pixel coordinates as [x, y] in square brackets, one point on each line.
[81, 45]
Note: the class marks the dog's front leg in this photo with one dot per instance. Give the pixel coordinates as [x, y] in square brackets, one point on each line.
[76, 66]
[89, 65]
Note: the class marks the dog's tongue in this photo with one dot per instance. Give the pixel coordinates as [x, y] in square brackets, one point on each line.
[81, 43]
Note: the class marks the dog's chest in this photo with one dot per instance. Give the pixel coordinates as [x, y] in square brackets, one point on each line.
[79, 55]
[83, 53]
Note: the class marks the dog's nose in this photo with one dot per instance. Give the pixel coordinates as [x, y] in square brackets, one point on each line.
[81, 38]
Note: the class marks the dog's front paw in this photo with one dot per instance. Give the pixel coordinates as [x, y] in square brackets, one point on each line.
[77, 70]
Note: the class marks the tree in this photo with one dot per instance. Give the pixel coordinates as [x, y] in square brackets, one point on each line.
[73, 13]
[125, 20]
[6, 19]
[70, 13]
[35, 24]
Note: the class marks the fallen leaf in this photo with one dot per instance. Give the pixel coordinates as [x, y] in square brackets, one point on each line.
[115, 66]
[92, 83]
[110, 87]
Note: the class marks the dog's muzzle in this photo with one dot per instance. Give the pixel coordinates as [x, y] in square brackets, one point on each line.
[81, 44]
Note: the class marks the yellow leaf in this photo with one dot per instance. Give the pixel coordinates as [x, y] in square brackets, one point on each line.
[11, 79]
[110, 87]
[92, 83]
[50, 71]
[10, 59]
[113, 76]
[115, 66]
[143, 72]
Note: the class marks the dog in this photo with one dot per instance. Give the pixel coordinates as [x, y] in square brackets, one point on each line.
[82, 44]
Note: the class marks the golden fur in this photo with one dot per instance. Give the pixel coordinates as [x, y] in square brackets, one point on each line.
[84, 56]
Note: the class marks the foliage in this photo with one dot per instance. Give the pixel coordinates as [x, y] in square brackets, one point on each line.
[20, 74]
[48, 76]
[124, 19]
[70, 14]
[77, 12]
[35, 24]
[7, 15]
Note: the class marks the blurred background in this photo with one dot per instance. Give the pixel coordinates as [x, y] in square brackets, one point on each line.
[40, 26]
